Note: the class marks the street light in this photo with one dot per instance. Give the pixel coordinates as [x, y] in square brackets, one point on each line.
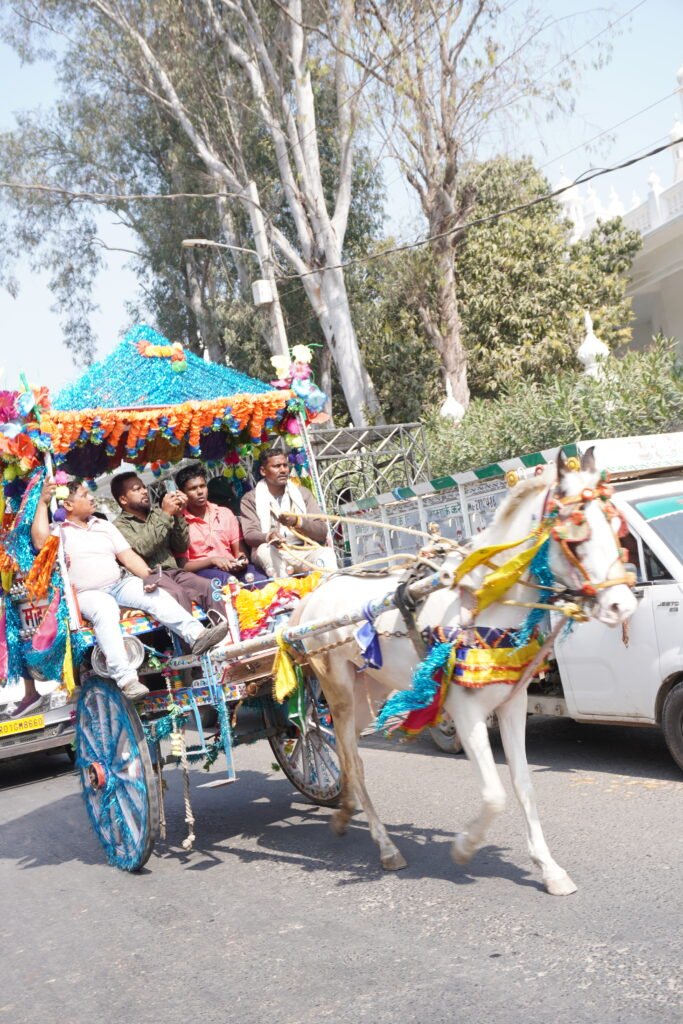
[264, 291]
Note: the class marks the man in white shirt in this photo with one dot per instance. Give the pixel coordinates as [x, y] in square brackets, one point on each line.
[274, 508]
[95, 551]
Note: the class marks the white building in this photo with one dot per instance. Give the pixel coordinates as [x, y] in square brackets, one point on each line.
[657, 274]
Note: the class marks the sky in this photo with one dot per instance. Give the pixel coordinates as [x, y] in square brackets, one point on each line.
[631, 103]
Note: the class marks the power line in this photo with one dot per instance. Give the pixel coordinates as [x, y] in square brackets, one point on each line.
[548, 71]
[586, 176]
[606, 131]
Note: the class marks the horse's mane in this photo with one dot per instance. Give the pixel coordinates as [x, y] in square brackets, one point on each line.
[519, 494]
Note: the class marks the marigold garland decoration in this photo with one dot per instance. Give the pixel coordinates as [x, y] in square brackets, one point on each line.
[257, 608]
[175, 430]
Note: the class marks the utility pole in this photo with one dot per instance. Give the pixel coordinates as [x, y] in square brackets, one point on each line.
[264, 290]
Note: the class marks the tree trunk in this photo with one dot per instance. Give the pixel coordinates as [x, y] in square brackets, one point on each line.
[202, 315]
[327, 294]
[325, 381]
[445, 331]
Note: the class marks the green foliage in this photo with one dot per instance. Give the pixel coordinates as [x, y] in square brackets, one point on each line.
[386, 295]
[523, 288]
[640, 394]
[522, 294]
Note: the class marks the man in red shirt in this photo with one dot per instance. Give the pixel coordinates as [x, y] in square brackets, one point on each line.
[215, 547]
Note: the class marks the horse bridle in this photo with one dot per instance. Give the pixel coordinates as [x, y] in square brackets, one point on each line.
[565, 518]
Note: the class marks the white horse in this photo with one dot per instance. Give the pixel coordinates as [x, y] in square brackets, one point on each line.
[355, 693]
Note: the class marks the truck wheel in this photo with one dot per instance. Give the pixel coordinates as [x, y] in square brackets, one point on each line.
[672, 723]
[445, 735]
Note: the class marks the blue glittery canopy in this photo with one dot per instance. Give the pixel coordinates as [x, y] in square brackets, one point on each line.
[152, 402]
[126, 379]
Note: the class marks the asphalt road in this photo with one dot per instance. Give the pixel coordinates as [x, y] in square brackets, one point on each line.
[273, 920]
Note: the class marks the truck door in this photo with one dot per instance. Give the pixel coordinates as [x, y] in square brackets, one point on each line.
[601, 676]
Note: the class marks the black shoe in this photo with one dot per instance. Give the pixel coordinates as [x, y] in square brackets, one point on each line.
[209, 638]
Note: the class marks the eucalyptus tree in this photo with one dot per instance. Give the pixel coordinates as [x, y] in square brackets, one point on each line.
[451, 81]
[239, 79]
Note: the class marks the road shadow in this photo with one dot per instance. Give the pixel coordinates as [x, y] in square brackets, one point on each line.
[259, 819]
[29, 768]
[287, 829]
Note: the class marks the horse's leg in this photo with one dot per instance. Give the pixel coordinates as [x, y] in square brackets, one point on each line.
[338, 683]
[470, 714]
[512, 721]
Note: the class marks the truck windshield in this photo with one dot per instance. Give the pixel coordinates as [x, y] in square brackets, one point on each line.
[665, 516]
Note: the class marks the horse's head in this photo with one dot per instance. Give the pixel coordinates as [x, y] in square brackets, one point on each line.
[585, 554]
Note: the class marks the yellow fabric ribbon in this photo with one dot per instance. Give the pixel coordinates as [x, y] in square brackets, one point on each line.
[285, 681]
[482, 666]
[500, 580]
[68, 667]
[481, 555]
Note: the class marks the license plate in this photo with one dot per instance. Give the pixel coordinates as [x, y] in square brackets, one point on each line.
[28, 724]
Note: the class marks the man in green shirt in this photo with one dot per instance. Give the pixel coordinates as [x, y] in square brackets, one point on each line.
[160, 536]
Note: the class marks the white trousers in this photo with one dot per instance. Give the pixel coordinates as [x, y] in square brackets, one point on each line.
[102, 608]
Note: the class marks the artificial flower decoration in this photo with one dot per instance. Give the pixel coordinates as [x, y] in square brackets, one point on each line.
[302, 354]
[174, 352]
[19, 434]
[281, 365]
[296, 376]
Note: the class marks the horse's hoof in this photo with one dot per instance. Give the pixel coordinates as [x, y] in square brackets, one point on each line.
[460, 850]
[394, 861]
[339, 824]
[562, 886]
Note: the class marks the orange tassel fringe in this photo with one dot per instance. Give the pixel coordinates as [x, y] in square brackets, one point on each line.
[40, 573]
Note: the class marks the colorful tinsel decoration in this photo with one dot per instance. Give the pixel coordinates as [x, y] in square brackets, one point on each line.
[256, 609]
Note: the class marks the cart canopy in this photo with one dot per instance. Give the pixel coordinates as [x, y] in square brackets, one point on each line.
[151, 401]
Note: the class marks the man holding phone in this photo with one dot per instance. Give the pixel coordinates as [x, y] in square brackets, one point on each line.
[215, 548]
[160, 535]
[96, 553]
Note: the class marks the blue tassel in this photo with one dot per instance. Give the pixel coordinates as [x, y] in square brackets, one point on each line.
[423, 689]
[542, 573]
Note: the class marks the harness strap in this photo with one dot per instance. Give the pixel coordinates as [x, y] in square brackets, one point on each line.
[407, 606]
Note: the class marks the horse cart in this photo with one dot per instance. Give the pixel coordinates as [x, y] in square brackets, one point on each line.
[150, 405]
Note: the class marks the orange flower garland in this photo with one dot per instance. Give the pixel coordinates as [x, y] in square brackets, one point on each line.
[184, 422]
[38, 578]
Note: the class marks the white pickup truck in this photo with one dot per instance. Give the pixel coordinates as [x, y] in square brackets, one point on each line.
[637, 679]
[596, 675]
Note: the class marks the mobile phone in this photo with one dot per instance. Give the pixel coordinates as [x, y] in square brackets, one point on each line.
[170, 486]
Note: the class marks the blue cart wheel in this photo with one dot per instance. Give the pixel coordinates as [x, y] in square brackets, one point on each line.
[307, 751]
[117, 777]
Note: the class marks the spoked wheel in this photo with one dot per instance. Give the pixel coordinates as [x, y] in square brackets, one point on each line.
[306, 749]
[118, 781]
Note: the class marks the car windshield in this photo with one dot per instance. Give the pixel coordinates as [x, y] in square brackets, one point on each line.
[665, 516]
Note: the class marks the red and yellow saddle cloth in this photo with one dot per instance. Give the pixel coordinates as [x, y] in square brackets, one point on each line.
[478, 657]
